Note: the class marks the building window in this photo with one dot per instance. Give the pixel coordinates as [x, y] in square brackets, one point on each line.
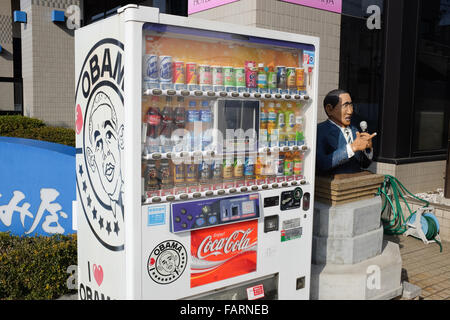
[361, 62]
[432, 79]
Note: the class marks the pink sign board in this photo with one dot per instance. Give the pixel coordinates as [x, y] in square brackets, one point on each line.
[201, 5]
[328, 5]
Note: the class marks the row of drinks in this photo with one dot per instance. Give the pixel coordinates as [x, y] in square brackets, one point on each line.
[164, 73]
[170, 128]
[281, 124]
[218, 173]
[181, 127]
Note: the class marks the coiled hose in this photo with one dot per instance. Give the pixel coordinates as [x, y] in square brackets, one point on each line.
[394, 222]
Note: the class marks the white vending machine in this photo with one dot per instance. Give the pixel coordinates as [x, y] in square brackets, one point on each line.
[195, 158]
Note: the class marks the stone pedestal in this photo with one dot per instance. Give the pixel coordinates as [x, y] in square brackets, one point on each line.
[349, 258]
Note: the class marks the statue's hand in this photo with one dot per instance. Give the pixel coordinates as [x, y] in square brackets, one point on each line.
[363, 141]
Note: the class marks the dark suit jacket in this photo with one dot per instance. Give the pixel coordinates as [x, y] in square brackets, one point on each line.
[331, 155]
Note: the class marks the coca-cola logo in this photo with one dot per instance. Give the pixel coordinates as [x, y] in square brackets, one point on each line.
[238, 241]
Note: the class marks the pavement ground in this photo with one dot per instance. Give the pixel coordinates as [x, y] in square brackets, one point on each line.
[425, 266]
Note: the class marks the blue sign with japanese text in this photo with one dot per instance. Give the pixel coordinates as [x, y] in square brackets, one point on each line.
[37, 187]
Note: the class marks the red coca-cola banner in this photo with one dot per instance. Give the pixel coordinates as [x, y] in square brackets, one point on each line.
[223, 252]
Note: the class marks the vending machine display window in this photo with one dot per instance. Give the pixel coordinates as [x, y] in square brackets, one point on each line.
[221, 112]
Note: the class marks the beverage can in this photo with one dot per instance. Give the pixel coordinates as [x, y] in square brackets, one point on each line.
[217, 170]
[164, 174]
[151, 176]
[291, 78]
[272, 81]
[191, 173]
[150, 68]
[239, 73]
[281, 77]
[217, 78]
[179, 78]
[165, 72]
[204, 172]
[298, 167]
[229, 78]
[249, 166]
[280, 165]
[191, 76]
[300, 80]
[205, 77]
[178, 174]
[228, 168]
[217, 75]
[238, 167]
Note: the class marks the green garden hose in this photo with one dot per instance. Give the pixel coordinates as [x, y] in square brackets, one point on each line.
[393, 191]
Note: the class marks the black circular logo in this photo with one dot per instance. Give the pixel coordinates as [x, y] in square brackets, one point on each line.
[167, 262]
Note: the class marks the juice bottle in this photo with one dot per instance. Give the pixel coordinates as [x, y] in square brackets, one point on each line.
[262, 76]
[263, 124]
[272, 125]
[298, 163]
[299, 137]
[290, 124]
[259, 168]
[281, 121]
[272, 80]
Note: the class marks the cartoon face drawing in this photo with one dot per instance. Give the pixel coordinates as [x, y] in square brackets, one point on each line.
[168, 262]
[106, 144]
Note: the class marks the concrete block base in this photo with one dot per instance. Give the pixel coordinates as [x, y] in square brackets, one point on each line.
[378, 278]
[335, 250]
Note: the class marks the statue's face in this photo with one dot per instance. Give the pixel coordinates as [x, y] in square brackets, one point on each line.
[342, 113]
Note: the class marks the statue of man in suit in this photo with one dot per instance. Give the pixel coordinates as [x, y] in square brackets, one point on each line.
[340, 147]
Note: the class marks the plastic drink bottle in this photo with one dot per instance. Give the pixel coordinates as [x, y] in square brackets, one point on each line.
[281, 121]
[153, 119]
[193, 117]
[298, 163]
[206, 119]
[272, 125]
[290, 124]
[262, 77]
[299, 136]
[180, 122]
[167, 119]
[288, 164]
[263, 124]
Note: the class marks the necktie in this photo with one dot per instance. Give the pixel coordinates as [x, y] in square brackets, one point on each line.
[348, 135]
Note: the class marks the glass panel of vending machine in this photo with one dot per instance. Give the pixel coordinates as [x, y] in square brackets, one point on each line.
[221, 113]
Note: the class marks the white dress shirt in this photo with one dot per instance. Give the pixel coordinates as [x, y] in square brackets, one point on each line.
[347, 133]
